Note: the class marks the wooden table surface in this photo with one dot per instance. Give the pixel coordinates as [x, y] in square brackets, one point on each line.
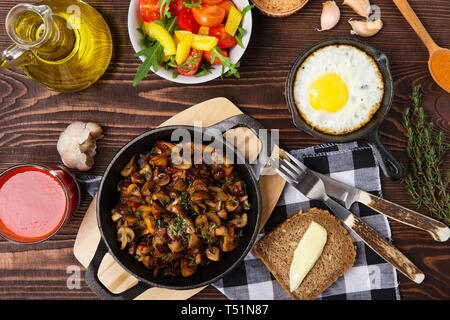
[31, 119]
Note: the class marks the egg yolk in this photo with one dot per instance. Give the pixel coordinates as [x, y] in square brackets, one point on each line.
[328, 93]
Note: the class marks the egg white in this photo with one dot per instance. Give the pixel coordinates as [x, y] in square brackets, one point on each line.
[362, 77]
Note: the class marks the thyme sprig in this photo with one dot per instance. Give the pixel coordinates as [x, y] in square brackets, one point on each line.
[425, 181]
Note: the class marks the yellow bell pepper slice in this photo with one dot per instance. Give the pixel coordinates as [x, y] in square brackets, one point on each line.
[183, 48]
[180, 34]
[233, 21]
[199, 41]
[204, 43]
[203, 30]
[159, 33]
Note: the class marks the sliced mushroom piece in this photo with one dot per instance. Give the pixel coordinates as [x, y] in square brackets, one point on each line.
[146, 189]
[213, 253]
[125, 235]
[157, 210]
[142, 250]
[123, 185]
[219, 194]
[231, 204]
[227, 243]
[176, 246]
[162, 179]
[115, 215]
[179, 185]
[240, 221]
[164, 146]
[201, 222]
[176, 208]
[200, 196]
[194, 241]
[188, 268]
[161, 197]
[198, 185]
[198, 258]
[214, 205]
[129, 168]
[223, 214]
[146, 171]
[137, 178]
[159, 240]
[181, 164]
[133, 190]
[160, 160]
[213, 217]
[222, 231]
[237, 188]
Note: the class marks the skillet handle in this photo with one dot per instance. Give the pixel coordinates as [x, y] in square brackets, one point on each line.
[267, 144]
[388, 164]
[97, 286]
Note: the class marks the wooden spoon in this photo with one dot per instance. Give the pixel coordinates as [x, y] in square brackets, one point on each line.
[439, 61]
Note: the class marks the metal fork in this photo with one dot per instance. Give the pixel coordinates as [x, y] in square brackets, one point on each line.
[310, 185]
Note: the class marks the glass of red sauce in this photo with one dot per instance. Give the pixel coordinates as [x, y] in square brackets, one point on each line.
[36, 201]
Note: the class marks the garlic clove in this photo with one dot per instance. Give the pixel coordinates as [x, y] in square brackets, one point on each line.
[330, 15]
[361, 7]
[365, 28]
[77, 145]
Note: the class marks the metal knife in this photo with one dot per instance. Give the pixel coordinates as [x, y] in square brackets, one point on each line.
[349, 195]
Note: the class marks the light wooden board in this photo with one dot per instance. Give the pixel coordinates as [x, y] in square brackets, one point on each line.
[112, 275]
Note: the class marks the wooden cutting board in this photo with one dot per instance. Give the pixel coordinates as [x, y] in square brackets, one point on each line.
[110, 273]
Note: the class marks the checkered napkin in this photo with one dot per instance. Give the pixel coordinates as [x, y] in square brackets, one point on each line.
[370, 277]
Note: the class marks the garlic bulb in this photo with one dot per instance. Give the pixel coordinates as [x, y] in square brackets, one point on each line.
[361, 7]
[365, 28]
[330, 15]
[77, 145]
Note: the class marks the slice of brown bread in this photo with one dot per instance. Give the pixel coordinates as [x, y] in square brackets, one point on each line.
[276, 250]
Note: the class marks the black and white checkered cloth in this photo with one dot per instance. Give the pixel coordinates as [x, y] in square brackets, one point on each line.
[370, 278]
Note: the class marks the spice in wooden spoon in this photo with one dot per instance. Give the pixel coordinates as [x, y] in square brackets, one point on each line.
[439, 61]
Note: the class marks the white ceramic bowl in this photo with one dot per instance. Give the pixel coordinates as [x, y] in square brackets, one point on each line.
[135, 22]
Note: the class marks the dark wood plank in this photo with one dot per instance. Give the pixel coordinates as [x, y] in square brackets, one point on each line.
[31, 119]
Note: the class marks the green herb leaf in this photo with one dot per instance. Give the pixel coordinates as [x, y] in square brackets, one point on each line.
[192, 3]
[425, 181]
[226, 63]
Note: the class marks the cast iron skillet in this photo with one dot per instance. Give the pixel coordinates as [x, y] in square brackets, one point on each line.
[369, 132]
[108, 197]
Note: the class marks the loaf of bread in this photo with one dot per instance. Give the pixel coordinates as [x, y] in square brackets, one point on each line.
[276, 250]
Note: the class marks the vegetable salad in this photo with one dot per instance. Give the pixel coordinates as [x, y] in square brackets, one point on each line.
[189, 36]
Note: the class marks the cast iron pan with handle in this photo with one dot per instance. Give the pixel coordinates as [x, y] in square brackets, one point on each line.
[108, 197]
[369, 132]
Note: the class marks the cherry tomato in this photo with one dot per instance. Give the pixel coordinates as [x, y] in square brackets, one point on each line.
[209, 16]
[225, 40]
[208, 56]
[226, 4]
[149, 10]
[186, 21]
[211, 2]
[197, 56]
[176, 6]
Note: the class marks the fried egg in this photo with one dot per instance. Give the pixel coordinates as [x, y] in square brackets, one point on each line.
[338, 89]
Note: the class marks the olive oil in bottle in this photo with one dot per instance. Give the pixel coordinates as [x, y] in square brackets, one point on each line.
[65, 45]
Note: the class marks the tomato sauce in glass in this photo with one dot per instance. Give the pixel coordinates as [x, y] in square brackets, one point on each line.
[35, 201]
